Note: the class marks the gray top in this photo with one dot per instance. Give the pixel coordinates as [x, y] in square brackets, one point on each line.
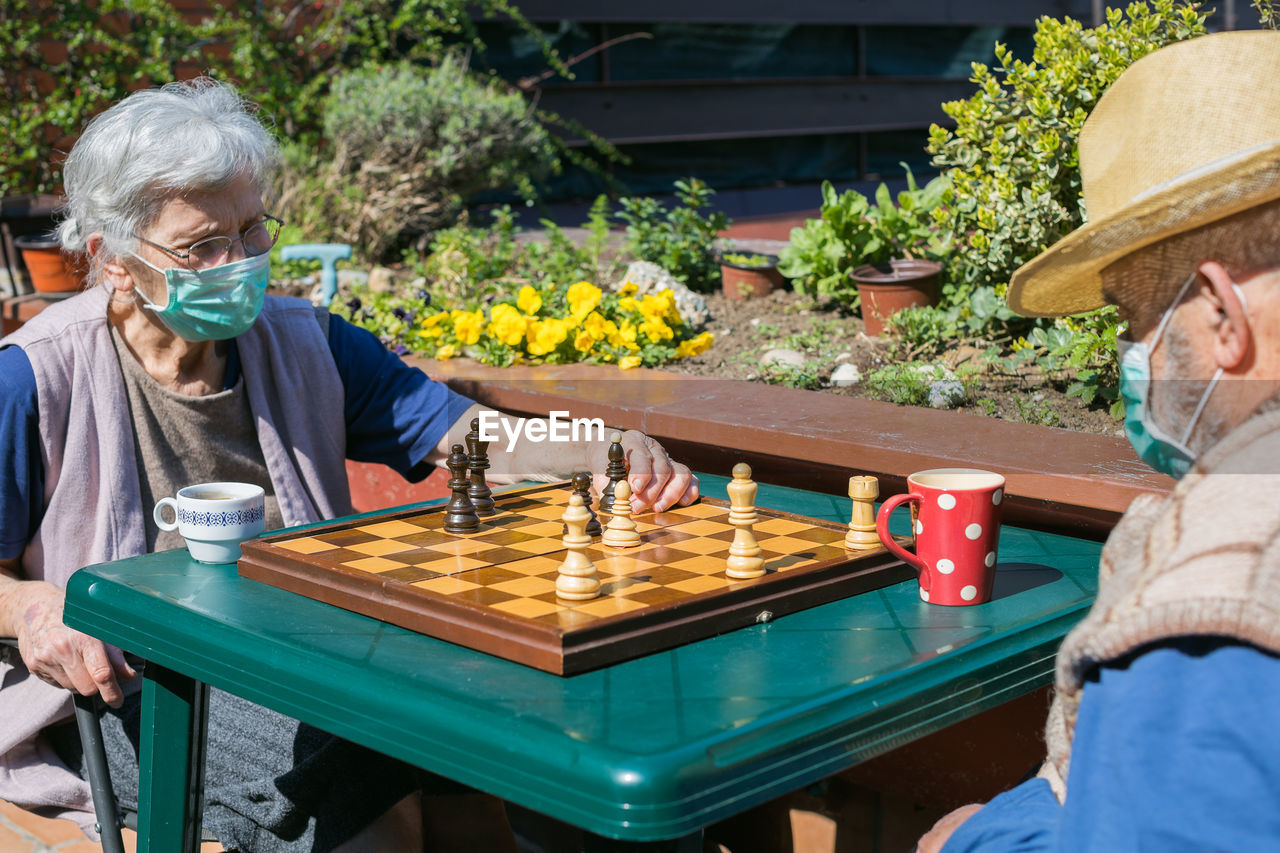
[181, 440]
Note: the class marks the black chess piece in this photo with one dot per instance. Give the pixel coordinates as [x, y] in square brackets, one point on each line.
[616, 471]
[478, 461]
[582, 486]
[460, 516]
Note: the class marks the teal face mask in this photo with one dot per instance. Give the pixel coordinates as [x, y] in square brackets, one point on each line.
[214, 304]
[1154, 445]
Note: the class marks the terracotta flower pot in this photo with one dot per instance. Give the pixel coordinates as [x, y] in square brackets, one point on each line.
[885, 289]
[50, 270]
[750, 280]
[21, 216]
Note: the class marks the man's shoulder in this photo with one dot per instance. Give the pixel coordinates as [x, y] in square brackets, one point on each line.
[1250, 449]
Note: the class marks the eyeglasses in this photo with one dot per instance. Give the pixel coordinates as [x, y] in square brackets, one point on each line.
[257, 239]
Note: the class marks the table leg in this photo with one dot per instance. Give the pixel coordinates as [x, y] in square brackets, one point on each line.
[171, 785]
[599, 844]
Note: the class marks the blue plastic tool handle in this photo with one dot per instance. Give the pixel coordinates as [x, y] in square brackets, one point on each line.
[328, 254]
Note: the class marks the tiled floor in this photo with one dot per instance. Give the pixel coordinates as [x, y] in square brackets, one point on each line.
[23, 832]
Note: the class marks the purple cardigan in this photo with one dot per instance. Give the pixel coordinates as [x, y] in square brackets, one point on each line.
[92, 505]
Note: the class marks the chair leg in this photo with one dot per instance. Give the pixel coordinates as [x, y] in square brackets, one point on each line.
[89, 722]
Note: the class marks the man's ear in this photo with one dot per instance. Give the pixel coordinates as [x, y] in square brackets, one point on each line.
[114, 272]
[1232, 335]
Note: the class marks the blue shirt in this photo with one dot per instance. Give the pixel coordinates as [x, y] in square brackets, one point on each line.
[395, 415]
[1174, 751]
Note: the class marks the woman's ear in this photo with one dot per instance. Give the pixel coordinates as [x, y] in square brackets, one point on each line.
[114, 273]
[1232, 335]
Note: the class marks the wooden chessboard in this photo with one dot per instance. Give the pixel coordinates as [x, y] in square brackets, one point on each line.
[494, 590]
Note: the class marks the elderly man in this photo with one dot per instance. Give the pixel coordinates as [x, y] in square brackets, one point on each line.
[1158, 738]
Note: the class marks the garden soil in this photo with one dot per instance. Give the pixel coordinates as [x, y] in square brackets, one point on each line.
[825, 337]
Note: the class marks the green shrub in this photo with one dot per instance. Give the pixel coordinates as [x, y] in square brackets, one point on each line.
[1012, 156]
[282, 55]
[469, 263]
[852, 231]
[408, 146]
[681, 240]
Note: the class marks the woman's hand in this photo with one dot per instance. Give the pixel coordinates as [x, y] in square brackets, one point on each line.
[60, 656]
[656, 480]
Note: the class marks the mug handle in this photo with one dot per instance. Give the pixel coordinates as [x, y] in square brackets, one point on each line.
[160, 522]
[882, 528]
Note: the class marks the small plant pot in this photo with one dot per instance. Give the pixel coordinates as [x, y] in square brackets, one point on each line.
[51, 270]
[885, 289]
[751, 278]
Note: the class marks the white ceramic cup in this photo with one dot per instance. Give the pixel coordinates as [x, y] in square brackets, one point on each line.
[215, 518]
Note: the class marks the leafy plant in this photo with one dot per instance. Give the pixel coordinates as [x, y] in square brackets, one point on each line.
[909, 383]
[282, 55]
[1012, 157]
[681, 240]
[806, 377]
[747, 261]
[852, 231]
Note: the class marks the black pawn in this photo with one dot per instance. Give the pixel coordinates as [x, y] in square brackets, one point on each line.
[460, 516]
[582, 487]
[616, 472]
[478, 461]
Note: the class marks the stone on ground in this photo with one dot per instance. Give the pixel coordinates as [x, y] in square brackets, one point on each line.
[845, 375]
[783, 357]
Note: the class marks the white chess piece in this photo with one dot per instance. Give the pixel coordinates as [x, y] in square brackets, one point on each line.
[621, 532]
[578, 580]
[744, 554]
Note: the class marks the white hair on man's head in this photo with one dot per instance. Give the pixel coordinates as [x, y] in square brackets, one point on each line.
[195, 136]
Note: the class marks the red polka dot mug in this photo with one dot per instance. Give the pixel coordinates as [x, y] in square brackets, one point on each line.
[955, 517]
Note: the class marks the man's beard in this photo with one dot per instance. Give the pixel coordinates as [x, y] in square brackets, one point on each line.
[1174, 400]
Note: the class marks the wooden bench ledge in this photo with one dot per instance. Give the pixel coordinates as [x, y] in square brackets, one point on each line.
[1057, 479]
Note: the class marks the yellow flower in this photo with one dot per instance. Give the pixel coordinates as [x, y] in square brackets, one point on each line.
[543, 336]
[467, 325]
[446, 351]
[628, 304]
[584, 341]
[529, 301]
[629, 362]
[431, 325]
[597, 326]
[656, 330]
[695, 346]
[583, 297]
[661, 306]
[628, 289]
[508, 325]
[624, 337]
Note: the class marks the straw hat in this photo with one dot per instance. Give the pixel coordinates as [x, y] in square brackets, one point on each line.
[1188, 135]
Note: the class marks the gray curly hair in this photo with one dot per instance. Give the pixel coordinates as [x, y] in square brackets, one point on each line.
[199, 135]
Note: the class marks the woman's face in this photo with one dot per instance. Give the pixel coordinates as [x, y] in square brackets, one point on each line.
[185, 220]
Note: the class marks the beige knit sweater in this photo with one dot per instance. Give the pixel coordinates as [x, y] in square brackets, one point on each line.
[1203, 561]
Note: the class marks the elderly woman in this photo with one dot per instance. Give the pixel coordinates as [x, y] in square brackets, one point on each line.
[175, 368]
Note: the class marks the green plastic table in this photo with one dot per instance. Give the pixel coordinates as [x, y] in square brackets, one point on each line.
[640, 755]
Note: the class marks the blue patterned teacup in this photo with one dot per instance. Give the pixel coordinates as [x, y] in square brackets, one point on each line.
[215, 518]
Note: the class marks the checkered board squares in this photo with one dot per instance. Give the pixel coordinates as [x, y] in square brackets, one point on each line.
[501, 579]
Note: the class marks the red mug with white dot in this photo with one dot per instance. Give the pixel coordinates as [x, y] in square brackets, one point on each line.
[955, 516]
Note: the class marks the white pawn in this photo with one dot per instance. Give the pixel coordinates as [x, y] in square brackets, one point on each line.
[744, 554]
[621, 532]
[578, 580]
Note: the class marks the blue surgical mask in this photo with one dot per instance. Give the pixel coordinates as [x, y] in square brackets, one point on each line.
[1154, 445]
[214, 304]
